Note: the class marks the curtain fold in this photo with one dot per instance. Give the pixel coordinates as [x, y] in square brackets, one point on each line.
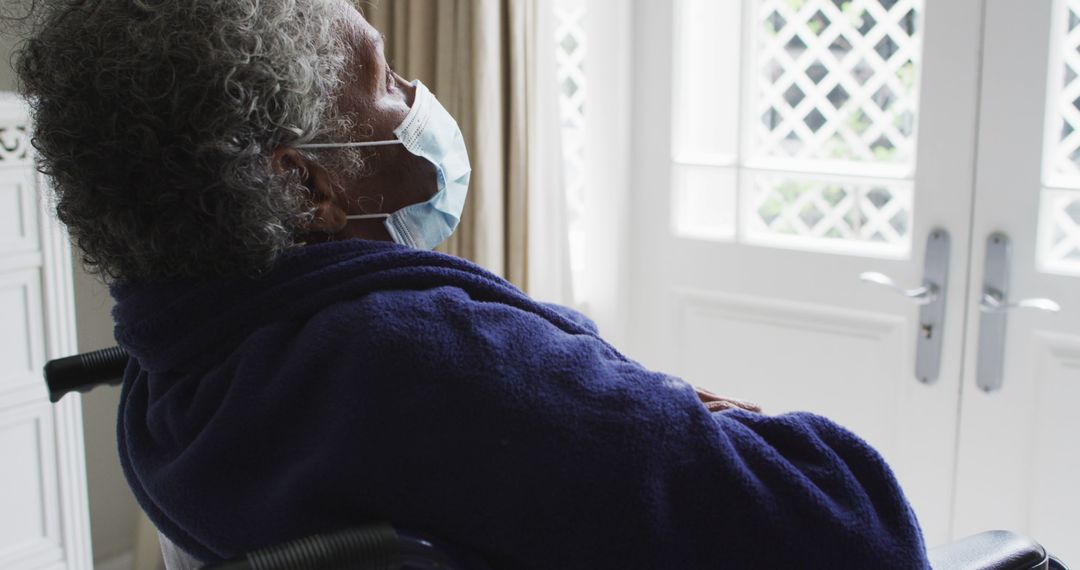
[475, 56]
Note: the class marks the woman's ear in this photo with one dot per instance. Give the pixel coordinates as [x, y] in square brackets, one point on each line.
[329, 215]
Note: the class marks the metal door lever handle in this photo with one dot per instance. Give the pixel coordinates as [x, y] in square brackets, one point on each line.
[993, 302]
[995, 308]
[930, 297]
[922, 295]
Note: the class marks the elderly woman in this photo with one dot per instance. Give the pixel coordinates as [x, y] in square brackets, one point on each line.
[263, 192]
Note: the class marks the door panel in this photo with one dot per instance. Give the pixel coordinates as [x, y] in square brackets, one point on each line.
[756, 340]
[746, 263]
[1018, 455]
[1055, 461]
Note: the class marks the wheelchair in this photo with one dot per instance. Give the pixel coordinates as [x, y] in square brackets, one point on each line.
[380, 546]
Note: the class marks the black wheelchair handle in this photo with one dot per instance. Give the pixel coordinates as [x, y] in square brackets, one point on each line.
[84, 372]
[376, 545]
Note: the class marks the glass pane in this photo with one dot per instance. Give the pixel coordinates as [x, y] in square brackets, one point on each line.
[820, 213]
[836, 81]
[1059, 232]
[703, 202]
[1063, 140]
[828, 106]
[1058, 249]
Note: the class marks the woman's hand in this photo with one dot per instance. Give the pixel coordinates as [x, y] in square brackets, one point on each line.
[716, 403]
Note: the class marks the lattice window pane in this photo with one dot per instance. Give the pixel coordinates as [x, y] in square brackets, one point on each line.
[1064, 148]
[571, 50]
[834, 107]
[823, 213]
[829, 107]
[837, 81]
[1059, 215]
[1060, 227]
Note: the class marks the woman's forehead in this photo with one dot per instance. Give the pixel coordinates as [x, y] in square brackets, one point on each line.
[358, 27]
[365, 59]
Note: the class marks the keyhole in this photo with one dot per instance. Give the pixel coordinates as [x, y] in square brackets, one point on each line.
[927, 331]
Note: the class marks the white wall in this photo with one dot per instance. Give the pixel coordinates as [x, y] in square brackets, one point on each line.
[113, 512]
[7, 79]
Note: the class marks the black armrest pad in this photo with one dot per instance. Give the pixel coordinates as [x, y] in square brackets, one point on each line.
[994, 550]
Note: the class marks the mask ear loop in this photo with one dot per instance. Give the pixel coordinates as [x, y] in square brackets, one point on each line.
[317, 146]
[320, 146]
[359, 203]
[323, 146]
[368, 216]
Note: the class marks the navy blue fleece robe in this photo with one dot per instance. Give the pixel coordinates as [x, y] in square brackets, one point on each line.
[363, 381]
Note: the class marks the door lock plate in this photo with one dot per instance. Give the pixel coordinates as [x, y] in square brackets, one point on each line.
[989, 370]
[932, 314]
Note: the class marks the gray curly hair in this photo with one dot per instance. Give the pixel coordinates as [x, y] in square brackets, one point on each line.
[156, 119]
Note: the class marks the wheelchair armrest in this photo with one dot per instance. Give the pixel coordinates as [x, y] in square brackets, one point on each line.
[993, 550]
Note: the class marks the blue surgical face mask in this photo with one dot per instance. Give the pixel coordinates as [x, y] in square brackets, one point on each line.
[431, 133]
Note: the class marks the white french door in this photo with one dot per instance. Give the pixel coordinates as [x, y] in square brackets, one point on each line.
[1019, 462]
[785, 148]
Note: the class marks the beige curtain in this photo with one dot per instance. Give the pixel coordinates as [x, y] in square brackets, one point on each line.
[475, 56]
